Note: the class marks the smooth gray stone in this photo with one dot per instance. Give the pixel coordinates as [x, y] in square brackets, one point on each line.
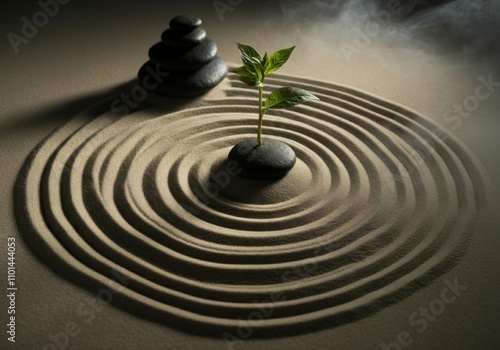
[183, 83]
[183, 39]
[175, 60]
[186, 23]
[273, 159]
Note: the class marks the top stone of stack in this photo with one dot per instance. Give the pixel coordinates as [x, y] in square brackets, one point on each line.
[185, 23]
[184, 32]
[186, 58]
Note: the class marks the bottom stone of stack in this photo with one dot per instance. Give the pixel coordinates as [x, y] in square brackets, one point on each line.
[190, 83]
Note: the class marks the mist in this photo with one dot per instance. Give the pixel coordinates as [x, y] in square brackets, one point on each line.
[467, 30]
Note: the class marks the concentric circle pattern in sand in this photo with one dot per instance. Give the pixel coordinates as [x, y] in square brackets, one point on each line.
[380, 202]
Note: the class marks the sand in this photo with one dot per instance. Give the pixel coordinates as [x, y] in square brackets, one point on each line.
[387, 202]
[148, 195]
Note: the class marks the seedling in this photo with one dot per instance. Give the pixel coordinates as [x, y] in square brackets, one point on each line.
[254, 72]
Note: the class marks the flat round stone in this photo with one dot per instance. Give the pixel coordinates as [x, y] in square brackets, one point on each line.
[183, 83]
[273, 159]
[176, 60]
[174, 37]
[183, 22]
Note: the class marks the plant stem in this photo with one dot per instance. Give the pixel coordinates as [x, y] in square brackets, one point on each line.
[261, 117]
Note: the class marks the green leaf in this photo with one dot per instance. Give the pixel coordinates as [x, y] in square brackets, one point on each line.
[278, 59]
[265, 58]
[287, 97]
[251, 81]
[259, 71]
[241, 71]
[248, 51]
[245, 76]
[251, 60]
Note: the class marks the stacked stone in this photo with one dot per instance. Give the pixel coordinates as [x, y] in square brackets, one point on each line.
[184, 62]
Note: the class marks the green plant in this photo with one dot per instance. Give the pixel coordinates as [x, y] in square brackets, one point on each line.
[254, 71]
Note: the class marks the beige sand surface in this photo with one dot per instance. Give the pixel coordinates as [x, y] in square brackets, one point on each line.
[389, 203]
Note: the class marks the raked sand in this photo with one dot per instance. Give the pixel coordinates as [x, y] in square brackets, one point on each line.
[381, 202]
[389, 204]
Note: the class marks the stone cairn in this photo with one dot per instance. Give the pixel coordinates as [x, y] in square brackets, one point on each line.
[184, 62]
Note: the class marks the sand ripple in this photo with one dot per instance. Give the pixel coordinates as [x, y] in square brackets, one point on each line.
[380, 202]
